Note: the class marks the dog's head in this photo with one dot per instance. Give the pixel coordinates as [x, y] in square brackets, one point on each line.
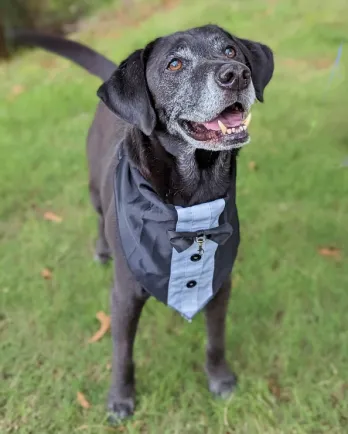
[196, 86]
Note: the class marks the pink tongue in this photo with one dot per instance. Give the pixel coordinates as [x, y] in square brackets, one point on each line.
[229, 120]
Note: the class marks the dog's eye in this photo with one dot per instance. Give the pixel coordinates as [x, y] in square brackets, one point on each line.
[230, 52]
[175, 65]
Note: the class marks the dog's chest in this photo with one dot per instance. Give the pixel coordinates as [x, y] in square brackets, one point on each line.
[194, 183]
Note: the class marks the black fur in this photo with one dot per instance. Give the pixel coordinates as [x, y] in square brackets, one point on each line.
[127, 95]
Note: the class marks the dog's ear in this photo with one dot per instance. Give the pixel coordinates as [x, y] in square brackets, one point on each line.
[260, 62]
[126, 93]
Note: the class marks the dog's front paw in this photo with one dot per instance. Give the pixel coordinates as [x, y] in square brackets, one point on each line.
[102, 258]
[223, 387]
[102, 251]
[119, 409]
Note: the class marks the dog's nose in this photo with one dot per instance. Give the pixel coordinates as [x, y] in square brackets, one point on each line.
[233, 77]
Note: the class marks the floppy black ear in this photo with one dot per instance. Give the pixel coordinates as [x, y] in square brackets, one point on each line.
[260, 59]
[126, 93]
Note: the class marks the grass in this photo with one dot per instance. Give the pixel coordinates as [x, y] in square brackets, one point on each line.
[288, 322]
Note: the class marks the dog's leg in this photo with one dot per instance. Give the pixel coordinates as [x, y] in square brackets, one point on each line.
[126, 310]
[221, 379]
[102, 250]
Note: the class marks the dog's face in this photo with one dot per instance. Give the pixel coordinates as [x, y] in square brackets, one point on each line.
[197, 86]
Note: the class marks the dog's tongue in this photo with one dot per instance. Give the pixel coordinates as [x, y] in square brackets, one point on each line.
[230, 120]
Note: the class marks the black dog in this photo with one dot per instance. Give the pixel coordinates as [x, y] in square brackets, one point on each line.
[168, 157]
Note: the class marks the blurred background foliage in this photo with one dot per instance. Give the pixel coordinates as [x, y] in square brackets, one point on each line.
[54, 16]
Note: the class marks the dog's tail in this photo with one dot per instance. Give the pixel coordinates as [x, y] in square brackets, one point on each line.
[87, 58]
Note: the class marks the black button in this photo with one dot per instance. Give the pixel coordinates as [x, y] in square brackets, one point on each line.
[196, 257]
[191, 283]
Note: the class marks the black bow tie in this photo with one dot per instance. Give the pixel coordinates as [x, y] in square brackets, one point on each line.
[183, 240]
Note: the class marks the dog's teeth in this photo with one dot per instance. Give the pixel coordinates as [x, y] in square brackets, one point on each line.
[233, 130]
[229, 131]
[243, 127]
[247, 120]
[222, 127]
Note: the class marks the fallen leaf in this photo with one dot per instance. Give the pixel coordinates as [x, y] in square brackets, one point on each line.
[274, 388]
[46, 274]
[17, 89]
[252, 165]
[332, 252]
[108, 366]
[52, 217]
[48, 63]
[105, 324]
[81, 399]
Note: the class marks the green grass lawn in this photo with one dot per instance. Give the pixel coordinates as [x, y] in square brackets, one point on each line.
[288, 318]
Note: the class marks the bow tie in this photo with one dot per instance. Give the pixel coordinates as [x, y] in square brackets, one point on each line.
[183, 240]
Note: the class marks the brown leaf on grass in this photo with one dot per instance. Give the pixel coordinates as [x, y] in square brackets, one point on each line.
[81, 399]
[105, 324]
[274, 387]
[46, 274]
[169, 4]
[51, 216]
[17, 89]
[48, 62]
[252, 165]
[330, 251]
[276, 390]
[108, 366]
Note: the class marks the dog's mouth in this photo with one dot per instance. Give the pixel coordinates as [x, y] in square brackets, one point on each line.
[231, 125]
